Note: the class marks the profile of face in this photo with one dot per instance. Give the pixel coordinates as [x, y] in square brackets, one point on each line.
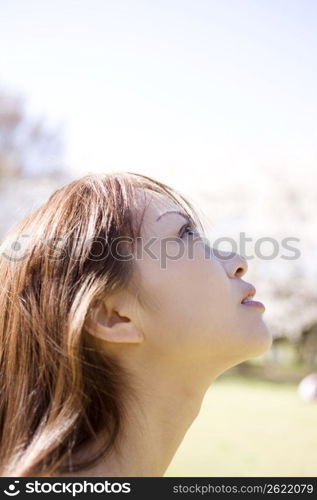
[188, 312]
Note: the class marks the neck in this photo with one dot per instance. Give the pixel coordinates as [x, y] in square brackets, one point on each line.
[157, 425]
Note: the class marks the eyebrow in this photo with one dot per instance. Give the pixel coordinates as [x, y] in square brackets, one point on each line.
[175, 212]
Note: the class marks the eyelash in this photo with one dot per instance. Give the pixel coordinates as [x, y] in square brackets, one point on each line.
[182, 230]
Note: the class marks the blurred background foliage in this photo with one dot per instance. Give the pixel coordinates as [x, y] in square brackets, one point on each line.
[31, 158]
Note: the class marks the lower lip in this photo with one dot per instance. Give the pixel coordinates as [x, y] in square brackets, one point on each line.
[254, 303]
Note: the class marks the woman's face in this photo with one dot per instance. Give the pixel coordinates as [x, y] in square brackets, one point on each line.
[191, 310]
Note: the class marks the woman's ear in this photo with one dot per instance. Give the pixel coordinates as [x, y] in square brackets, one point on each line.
[107, 324]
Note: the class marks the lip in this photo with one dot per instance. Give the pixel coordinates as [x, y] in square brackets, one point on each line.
[250, 293]
[254, 303]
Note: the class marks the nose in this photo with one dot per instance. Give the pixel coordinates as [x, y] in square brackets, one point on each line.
[234, 264]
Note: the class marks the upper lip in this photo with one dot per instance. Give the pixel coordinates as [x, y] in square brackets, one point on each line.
[251, 291]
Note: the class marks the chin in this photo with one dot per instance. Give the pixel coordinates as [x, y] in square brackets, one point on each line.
[260, 339]
[254, 339]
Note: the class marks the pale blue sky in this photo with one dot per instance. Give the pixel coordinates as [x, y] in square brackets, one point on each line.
[178, 89]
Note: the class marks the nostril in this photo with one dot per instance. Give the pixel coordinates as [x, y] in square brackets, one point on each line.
[239, 272]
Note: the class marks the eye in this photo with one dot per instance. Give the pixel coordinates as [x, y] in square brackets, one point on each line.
[187, 229]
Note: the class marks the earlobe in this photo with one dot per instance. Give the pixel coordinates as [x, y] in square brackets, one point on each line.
[113, 327]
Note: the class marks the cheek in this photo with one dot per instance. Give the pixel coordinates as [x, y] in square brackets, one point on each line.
[189, 300]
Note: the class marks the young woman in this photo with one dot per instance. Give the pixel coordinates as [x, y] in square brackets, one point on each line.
[116, 316]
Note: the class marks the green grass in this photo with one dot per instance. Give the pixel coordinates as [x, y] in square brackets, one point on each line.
[250, 428]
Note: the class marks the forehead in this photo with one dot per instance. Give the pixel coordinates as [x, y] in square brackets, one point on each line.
[152, 204]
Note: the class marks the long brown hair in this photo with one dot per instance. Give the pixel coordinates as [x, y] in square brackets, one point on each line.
[57, 390]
